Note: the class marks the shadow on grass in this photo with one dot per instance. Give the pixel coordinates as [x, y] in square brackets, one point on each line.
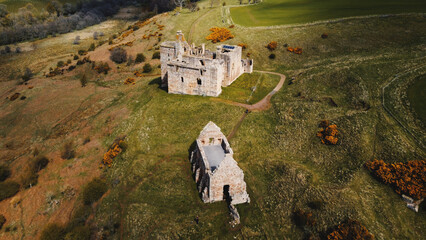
[157, 81]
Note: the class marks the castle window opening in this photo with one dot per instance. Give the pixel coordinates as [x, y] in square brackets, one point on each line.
[199, 81]
[181, 78]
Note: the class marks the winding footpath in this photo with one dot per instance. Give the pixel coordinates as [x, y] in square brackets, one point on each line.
[263, 104]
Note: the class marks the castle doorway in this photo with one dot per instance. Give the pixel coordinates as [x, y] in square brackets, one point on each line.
[226, 195]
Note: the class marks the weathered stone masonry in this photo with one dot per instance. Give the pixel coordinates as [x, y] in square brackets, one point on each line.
[216, 172]
[194, 70]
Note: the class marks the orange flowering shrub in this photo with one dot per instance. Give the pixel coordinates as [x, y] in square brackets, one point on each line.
[243, 46]
[219, 35]
[137, 73]
[328, 133]
[130, 81]
[296, 50]
[350, 230]
[112, 152]
[406, 178]
[272, 45]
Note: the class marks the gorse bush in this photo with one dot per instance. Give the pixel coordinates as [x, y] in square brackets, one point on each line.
[94, 191]
[4, 172]
[350, 229]
[406, 178]
[219, 35]
[272, 45]
[8, 189]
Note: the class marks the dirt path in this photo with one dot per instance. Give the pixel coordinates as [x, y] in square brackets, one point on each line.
[263, 104]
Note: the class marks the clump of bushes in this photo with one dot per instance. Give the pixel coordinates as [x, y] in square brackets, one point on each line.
[68, 151]
[2, 221]
[94, 190]
[4, 172]
[118, 55]
[140, 58]
[102, 67]
[272, 56]
[219, 35]
[350, 229]
[8, 189]
[29, 177]
[82, 52]
[91, 48]
[76, 57]
[28, 74]
[83, 80]
[147, 68]
[156, 55]
[40, 163]
[302, 218]
[328, 133]
[53, 231]
[78, 233]
[60, 64]
[272, 45]
[406, 178]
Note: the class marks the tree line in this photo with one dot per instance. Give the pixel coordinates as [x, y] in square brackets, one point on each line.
[29, 23]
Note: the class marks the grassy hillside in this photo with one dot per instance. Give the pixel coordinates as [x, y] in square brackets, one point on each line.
[280, 12]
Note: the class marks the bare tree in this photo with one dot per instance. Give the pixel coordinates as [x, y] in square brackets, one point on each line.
[179, 3]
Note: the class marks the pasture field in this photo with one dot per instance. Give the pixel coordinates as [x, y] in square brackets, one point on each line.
[281, 12]
[250, 88]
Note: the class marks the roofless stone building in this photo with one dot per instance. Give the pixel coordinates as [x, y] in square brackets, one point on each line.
[194, 70]
[217, 174]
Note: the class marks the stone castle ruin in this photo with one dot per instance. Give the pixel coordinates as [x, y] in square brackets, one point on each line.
[217, 174]
[194, 70]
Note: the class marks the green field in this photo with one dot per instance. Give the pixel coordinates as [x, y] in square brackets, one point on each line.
[280, 12]
[242, 89]
[417, 97]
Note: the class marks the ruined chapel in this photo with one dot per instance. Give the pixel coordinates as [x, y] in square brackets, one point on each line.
[217, 174]
[194, 70]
